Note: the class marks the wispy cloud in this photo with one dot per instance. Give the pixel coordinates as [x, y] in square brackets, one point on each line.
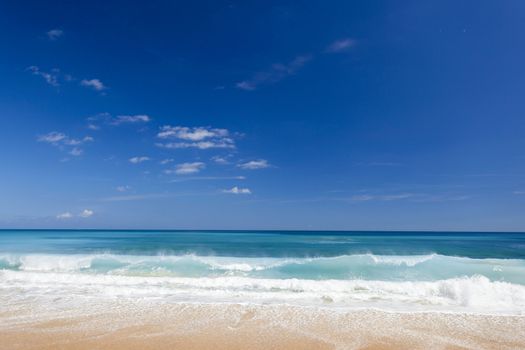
[54, 34]
[86, 213]
[412, 197]
[123, 188]
[186, 168]
[53, 137]
[94, 84]
[195, 137]
[274, 74]
[131, 119]
[379, 164]
[199, 145]
[64, 142]
[223, 160]
[96, 121]
[204, 178]
[254, 164]
[64, 216]
[50, 77]
[138, 159]
[341, 45]
[518, 192]
[76, 152]
[93, 127]
[237, 190]
[192, 134]
[383, 197]
[136, 197]
[167, 161]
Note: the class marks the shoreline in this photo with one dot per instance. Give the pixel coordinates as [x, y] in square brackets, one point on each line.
[146, 324]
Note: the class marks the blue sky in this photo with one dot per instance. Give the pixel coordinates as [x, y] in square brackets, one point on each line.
[263, 115]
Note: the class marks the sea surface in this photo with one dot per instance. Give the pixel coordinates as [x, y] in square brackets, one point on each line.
[394, 271]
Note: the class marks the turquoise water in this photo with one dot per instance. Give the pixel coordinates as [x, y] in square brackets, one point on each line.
[465, 271]
[265, 243]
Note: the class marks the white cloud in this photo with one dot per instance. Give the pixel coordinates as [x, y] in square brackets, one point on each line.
[64, 216]
[191, 134]
[93, 127]
[187, 168]
[167, 161]
[221, 160]
[254, 164]
[86, 213]
[139, 118]
[341, 45]
[362, 197]
[237, 190]
[122, 188]
[52, 137]
[137, 160]
[210, 178]
[196, 137]
[199, 145]
[274, 74]
[64, 142]
[95, 121]
[413, 197]
[76, 142]
[387, 197]
[246, 85]
[76, 152]
[50, 78]
[385, 164]
[137, 197]
[94, 84]
[54, 34]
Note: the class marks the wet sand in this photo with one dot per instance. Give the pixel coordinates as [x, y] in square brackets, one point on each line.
[146, 325]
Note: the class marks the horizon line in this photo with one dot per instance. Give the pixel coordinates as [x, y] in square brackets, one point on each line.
[257, 230]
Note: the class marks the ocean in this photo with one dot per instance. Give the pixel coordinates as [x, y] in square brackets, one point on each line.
[481, 273]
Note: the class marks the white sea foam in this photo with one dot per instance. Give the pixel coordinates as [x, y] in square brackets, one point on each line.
[399, 282]
[466, 294]
[408, 260]
[367, 266]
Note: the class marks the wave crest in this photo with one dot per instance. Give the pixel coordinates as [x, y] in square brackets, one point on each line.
[465, 294]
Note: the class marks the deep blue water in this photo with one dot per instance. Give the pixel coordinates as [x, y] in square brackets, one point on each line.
[264, 243]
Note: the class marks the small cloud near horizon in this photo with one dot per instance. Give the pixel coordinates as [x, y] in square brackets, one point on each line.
[64, 216]
[86, 213]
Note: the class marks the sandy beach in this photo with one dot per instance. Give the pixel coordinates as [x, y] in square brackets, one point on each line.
[122, 324]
